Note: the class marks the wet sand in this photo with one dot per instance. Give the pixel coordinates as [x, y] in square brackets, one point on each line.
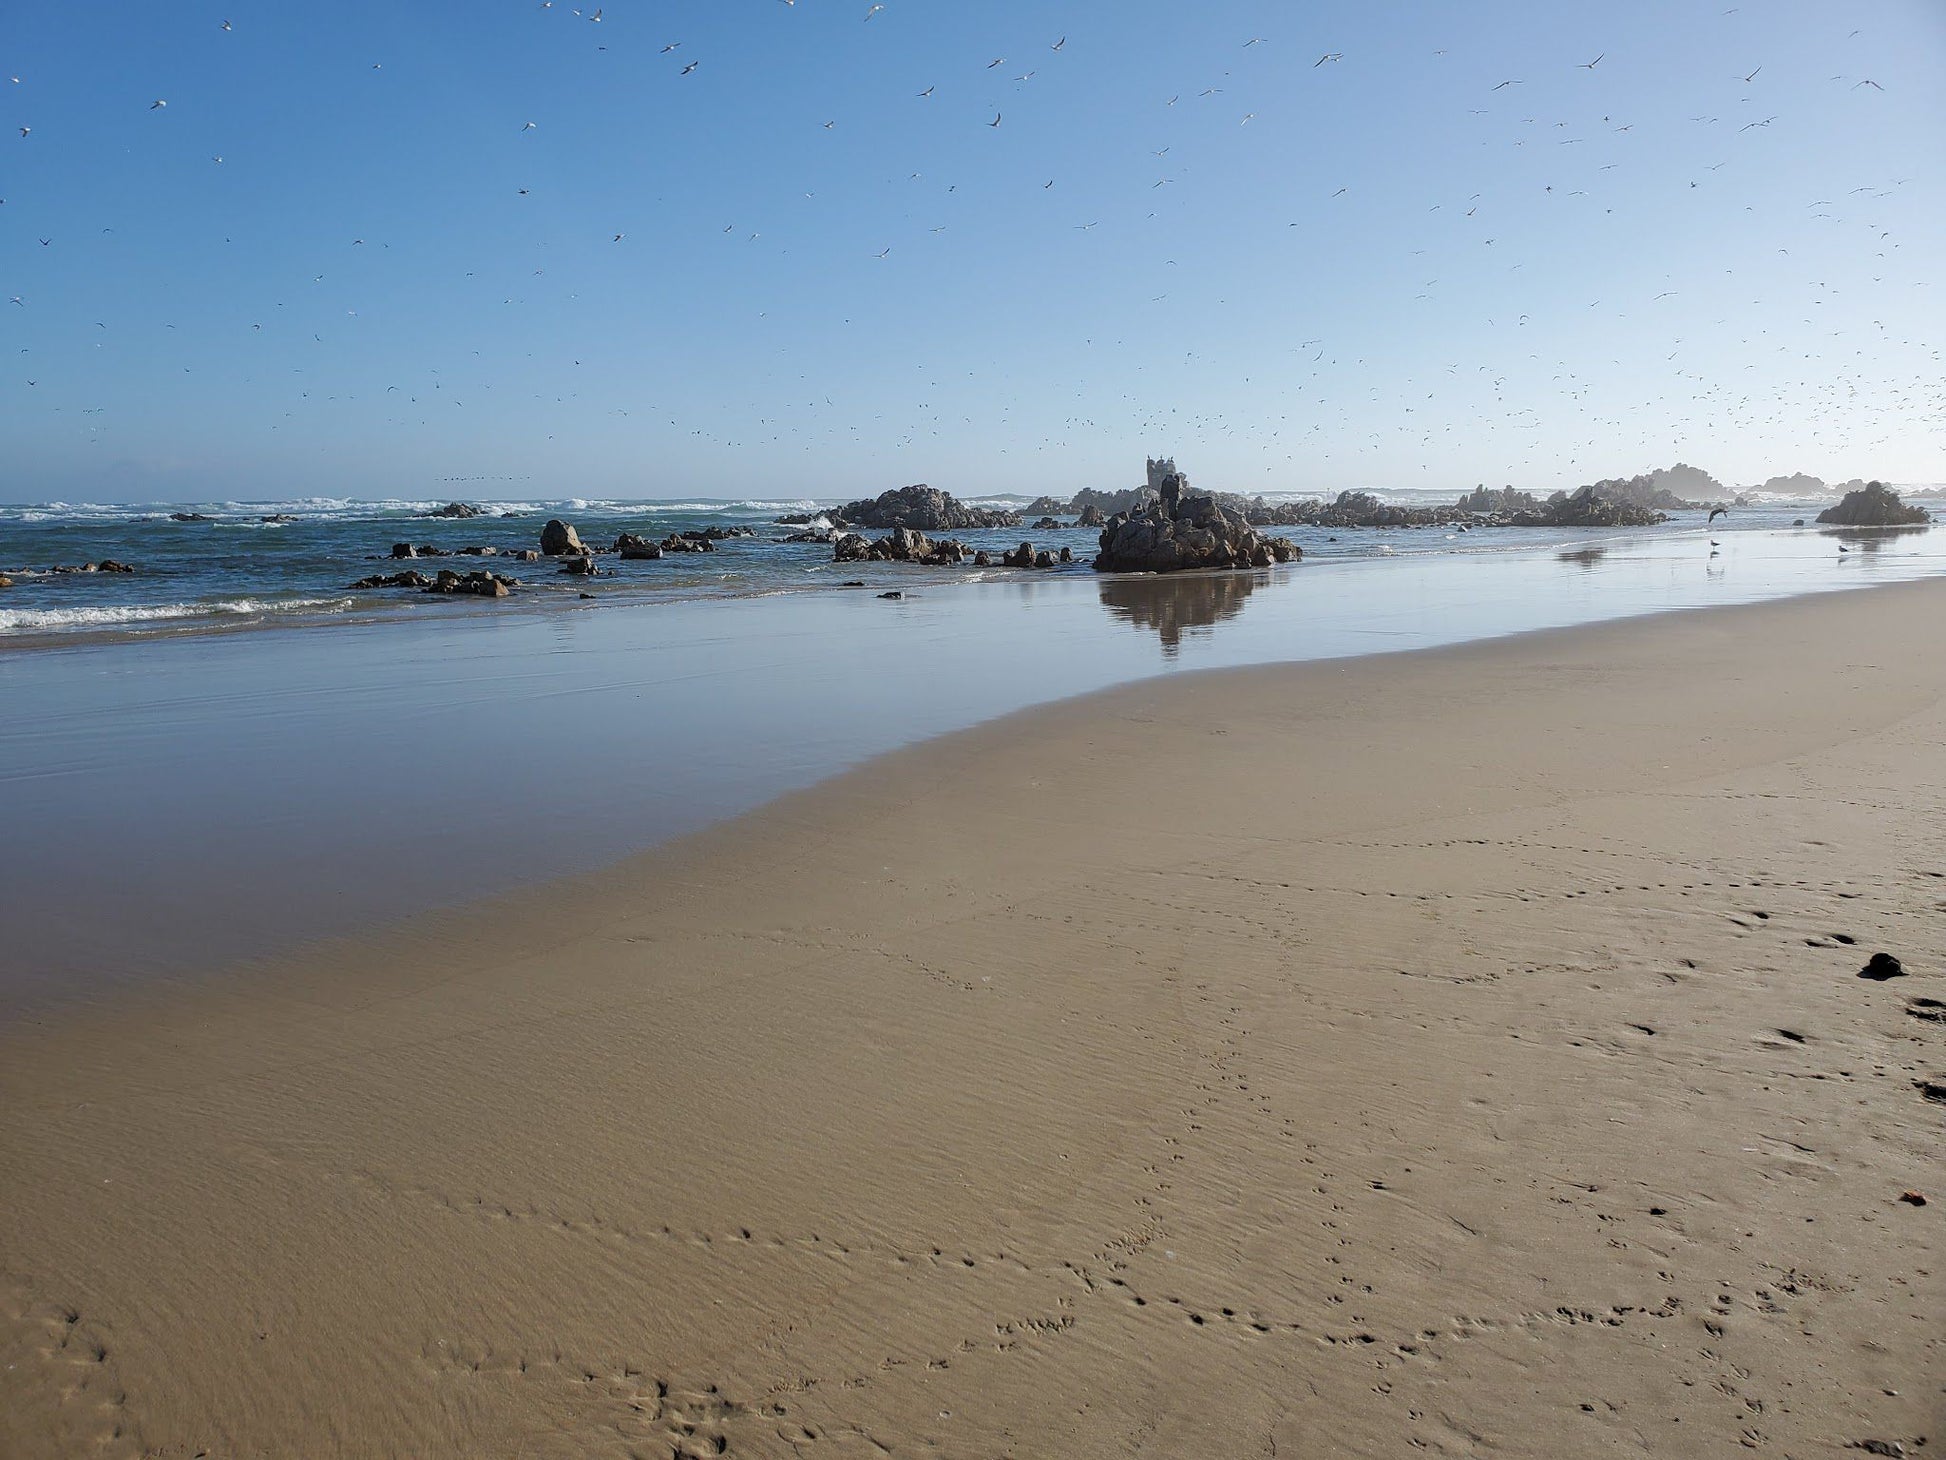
[1458, 1050]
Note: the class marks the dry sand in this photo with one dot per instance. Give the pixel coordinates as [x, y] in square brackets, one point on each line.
[1458, 1051]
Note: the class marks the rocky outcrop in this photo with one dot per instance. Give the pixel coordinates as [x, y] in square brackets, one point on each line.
[901, 545]
[187, 517]
[1049, 524]
[1669, 489]
[1047, 507]
[637, 549]
[1487, 503]
[1589, 507]
[456, 509]
[576, 565]
[277, 519]
[1362, 509]
[559, 539]
[1874, 505]
[1089, 516]
[689, 542]
[1178, 532]
[410, 578]
[106, 565]
[927, 509]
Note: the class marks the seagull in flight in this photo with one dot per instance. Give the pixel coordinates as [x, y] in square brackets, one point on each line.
[226, 25]
[996, 120]
[1590, 65]
[873, 11]
[996, 61]
[927, 92]
[691, 67]
[1327, 56]
[1869, 82]
[1058, 44]
[1255, 41]
[157, 105]
[1752, 76]
[673, 45]
[1505, 84]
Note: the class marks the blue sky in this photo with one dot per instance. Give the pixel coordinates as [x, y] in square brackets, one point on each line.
[1721, 242]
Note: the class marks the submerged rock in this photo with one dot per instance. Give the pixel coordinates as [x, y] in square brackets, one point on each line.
[187, 517]
[410, 578]
[1874, 505]
[558, 539]
[580, 566]
[479, 583]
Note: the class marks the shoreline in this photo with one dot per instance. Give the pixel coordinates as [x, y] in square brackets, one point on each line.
[335, 781]
[1340, 1055]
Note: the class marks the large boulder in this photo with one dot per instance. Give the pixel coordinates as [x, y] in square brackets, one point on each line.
[559, 540]
[926, 509]
[479, 583]
[456, 509]
[1874, 505]
[1178, 532]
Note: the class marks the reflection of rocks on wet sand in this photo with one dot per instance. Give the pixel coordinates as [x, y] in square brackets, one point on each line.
[1871, 539]
[1582, 557]
[1171, 605]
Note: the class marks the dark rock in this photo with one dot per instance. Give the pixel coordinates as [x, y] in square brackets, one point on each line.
[1020, 557]
[580, 566]
[1090, 516]
[637, 549]
[404, 550]
[479, 583]
[479, 552]
[558, 539]
[1912, 1198]
[1048, 524]
[1067, 555]
[893, 594]
[1882, 967]
[410, 578]
[1931, 1010]
[1874, 505]
[109, 565]
[278, 517]
[588, 596]
[926, 509]
[456, 509]
[526, 555]
[851, 548]
[1932, 1089]
[1589, 507]
[1506, 500]
[688, 542]
[187, 517]
[1180, 532]
[852, 583]
[983, 559]
[1877, 1447]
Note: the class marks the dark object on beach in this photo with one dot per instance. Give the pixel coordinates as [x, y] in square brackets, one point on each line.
[1179, 532]
[1932, 1090]
[1798, 523]
[1048, 524]
[581, 566]
[637, 549]
[585, 595]
[558, 539]
[187, 517]
[1931, 1010]
[1873, 505]
[983, 559]
[1877, 1447]
[926, 509]
[852, 583]
[1882, 967]
[456, 509]
[1020, 557]
[893, 594]
[1912, 1198]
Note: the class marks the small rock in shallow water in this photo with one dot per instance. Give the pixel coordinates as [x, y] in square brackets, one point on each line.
[1882, 967]
[893, 594]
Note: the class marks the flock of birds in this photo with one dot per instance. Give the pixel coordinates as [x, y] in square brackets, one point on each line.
[1332, 402]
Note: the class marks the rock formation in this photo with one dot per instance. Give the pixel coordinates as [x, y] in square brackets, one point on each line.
[1179, 532]
[926, 509]
[634, 549]
[901, 545]
[456, 509]
[1874, 505]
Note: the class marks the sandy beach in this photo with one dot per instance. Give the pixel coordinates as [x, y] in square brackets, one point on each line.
[1457, 1051]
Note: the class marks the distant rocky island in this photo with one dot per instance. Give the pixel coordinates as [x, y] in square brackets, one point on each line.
[1874, 505]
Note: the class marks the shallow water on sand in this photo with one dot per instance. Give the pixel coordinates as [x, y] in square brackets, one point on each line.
[173, 805]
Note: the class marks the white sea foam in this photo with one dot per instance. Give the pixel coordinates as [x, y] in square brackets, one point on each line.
[31, 620]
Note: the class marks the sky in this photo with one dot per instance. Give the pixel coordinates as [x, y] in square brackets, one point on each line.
[817, 248]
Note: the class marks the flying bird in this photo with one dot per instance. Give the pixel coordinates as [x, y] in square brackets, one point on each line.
[1327, 56]
[873, 11]
[1058, 44]
[157, 105]
[996, 120]
[927, 92]
[1590, 65]
[1716, 512]
[226, 25]
[691, 67]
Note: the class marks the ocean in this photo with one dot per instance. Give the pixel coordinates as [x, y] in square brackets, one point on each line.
[247, 564]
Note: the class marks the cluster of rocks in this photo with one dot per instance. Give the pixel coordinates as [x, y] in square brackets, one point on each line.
[106, 565]
[1874, 505]
[456, 509]
[901, 545]
[1177, 532]
[189, 517]
[427, 550]
[1589, 507]
[478, 584]
[925, 509]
